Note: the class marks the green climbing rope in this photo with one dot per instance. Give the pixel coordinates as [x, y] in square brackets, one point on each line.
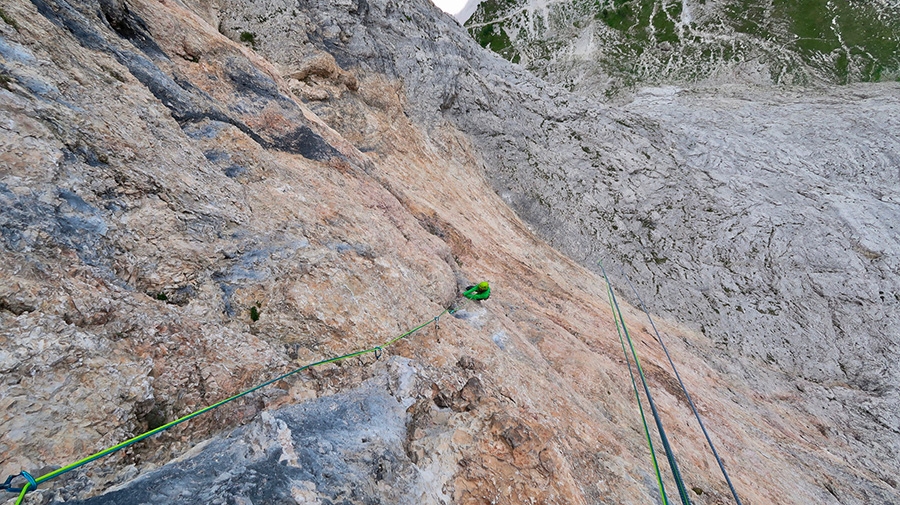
[659, 482]
[33, 482]
[670, 456]
[709, 441]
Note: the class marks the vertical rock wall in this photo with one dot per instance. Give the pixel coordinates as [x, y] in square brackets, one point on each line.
[194, 197]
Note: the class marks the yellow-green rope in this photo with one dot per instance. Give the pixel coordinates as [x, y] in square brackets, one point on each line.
[33, 482]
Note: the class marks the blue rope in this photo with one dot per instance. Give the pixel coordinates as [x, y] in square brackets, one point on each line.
[7, 486]
[673, 465]
[659, 481]
[683, 388]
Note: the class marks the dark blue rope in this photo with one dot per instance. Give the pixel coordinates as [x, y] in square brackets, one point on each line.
[673, 465]
[683, 388]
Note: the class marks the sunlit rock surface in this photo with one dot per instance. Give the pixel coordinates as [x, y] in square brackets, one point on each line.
[340, 170]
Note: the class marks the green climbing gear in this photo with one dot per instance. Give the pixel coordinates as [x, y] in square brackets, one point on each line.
[480, 291]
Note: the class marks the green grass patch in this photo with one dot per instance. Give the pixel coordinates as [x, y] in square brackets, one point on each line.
[8, 19]
[490, 10]
[248, 38]
[617, 17]
[493, 36]
[873, 40]
[644, 43]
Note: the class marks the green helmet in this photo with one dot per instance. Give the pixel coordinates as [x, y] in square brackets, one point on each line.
[483, 286]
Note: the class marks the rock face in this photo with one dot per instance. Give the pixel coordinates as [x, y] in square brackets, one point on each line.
[198, 196]
[343, 448]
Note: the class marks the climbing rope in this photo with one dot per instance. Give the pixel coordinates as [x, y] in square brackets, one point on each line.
[684, 389]
[32, 482]
[670, 456]
[659, 482]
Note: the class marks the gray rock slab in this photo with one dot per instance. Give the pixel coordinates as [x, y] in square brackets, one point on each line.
[345, 448]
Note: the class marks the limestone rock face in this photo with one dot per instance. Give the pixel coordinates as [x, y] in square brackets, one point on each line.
[196, 197]
[762, 217]
[345, 447]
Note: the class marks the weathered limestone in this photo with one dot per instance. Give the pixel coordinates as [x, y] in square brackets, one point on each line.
[159, 180]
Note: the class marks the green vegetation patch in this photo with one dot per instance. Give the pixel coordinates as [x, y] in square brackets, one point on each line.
[855, 40]
[648, 42]
[643, 20]
[248, 38]
[8, 19]
[492, 9]
[493, 36]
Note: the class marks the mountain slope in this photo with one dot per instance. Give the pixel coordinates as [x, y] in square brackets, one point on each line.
[168, 168]
[606, 46]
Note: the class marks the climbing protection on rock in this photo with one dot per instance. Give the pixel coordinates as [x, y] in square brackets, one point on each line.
[480, 291]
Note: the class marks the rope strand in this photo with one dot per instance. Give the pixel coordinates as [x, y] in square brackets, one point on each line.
[684, 389]
[33, 482]
[670, 456]
[659, 482]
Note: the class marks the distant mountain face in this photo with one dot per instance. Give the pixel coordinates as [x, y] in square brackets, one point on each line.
[605, 45]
